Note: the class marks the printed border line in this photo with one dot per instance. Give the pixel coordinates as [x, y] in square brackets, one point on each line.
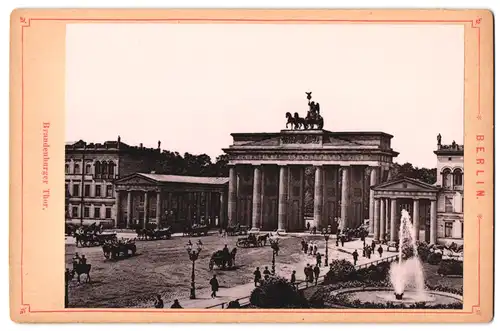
[25, 307]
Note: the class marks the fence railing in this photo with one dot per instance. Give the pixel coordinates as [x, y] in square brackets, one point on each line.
[376, 262]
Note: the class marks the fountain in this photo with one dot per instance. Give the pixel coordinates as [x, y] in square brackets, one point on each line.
[406, 277]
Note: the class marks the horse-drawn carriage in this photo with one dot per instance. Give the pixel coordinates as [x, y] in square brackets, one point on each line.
[93, 239]
[153, 234]
[235, 230]
[196, 230]
[222, 259]
[252, 240]
[115, 248]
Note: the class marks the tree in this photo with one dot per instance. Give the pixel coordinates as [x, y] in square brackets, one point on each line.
[407, 170]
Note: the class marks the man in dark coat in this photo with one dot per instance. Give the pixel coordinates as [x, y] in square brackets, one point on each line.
[214, 283]
[176, 304]
[293, 279]
[316, 274]
[373, 246]
[318, 259]
[380, 250]
[257, 276]
[158, 302]
[225, 251]
[355, 256]
[267, 273]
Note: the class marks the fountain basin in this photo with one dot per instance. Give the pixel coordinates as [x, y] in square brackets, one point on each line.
[378, 295]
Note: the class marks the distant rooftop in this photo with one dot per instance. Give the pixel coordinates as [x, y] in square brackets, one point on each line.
[452, 149]
[107, 145]
[186, 179]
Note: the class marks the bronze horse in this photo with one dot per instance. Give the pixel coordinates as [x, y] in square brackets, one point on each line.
[296, 122]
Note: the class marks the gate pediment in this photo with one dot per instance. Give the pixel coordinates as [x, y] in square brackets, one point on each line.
[406, 184]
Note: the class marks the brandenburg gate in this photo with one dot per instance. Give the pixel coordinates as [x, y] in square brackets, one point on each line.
[266, 175]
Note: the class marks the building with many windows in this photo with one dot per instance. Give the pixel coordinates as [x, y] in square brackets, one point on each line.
[450, 178]
[91, 170]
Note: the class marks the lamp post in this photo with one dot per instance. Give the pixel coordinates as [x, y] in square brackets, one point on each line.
[275, 247]
[193, 256]
[327, 237]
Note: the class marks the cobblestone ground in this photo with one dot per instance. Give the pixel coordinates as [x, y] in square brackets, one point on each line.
[163, 267]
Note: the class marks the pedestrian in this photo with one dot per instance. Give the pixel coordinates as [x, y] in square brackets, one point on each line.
[373, 246]
[308, 226]
[176, 304]
[342, 240]
[364, 250]
[158, 302]
[293, 279]
[314, 229]
[311, 273]
[337, 241]
[315, 249]
[305, 247]
[355, 256]
[76, 260]
[257, 276]
[368, 252]
[83, 260]
[310, 248]
[267, 273]
[318, 259]
[380, 250]
[214, 283]
[306, 272]
[316, 274]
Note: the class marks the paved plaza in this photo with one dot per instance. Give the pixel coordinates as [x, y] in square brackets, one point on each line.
[162, 267]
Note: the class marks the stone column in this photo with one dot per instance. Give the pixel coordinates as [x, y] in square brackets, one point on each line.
[376, 220]
[222, 209]
[416, 220]
[257, 198]
[189, 216]
[344, 204]
[433, 236]
[198, 206]
[118, 209]
[129, 208]
[382, 219]
[318, 196]
[158, 209]
[394, 228]
[231, 205]
[373, 181]
[208, 214]
[145, 209]
[387, 216]
[282, 199]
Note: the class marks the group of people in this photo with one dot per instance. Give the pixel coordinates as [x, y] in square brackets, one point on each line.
[312, 273]
[257, 275]
[77, 259]
[159, 303]
[309, 248]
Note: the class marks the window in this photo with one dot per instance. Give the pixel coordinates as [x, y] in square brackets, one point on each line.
[97, 212]
[88, 169]
[457, 177]
[98, 190]
[448, 205]
[74, 211]
[108, 212]
[87, 190]
[97, 168]
[448, 229]
[446, 178]
[109, 190]
[111, 170]
[86, 212]
[66, 168]
[104, 168]
[77, 168]
[76, 190]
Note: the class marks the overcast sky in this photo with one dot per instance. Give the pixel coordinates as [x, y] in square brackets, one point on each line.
[191, 85]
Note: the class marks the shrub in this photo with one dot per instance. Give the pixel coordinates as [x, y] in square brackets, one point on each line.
[423, 251]
[451, 267]
[340, 270]
[434, 258]
[277, 292]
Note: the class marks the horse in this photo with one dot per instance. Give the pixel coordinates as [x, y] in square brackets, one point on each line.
[262, 239]
[141, 233]
[81, 269]
[296, 122]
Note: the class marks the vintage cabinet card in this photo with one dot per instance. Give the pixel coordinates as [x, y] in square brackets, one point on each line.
[251, 165]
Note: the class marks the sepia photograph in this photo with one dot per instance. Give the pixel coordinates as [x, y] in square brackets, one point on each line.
[264, 166]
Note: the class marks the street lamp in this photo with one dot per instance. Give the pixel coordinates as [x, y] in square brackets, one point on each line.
[193, 256]
[327, 237]
[275, 247]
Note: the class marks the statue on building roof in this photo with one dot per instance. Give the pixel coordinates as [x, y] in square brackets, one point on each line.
[453, 144]
[439, 139]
